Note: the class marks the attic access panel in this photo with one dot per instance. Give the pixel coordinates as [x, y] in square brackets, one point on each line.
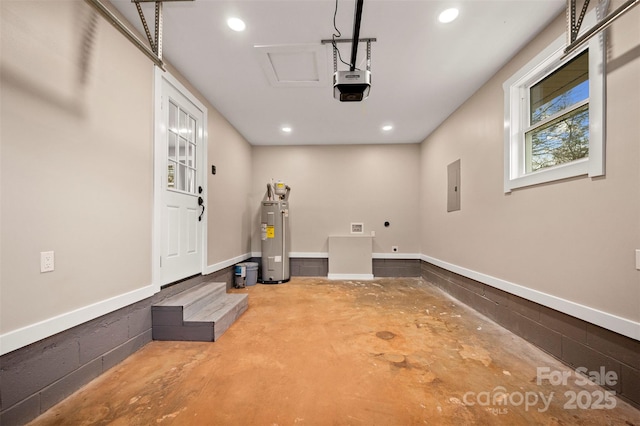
[294, 65]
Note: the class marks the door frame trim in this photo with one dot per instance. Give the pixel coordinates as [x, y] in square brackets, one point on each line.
[158, 172]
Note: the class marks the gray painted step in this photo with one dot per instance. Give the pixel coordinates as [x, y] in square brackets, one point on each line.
[202, 313]
[196, 297]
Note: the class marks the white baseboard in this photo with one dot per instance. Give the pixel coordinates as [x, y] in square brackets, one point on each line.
[210, 269]
[606, 320]
[307, 255]
[396, 255]
[24, 336]
[325, 255]
[350, 276]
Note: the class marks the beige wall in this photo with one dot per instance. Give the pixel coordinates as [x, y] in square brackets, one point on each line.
[332, 186]
[77, 171]
[229, 205]
[77, 168]
[228, 209]
[573, 239]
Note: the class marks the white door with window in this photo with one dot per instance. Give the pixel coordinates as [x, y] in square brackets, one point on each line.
[180, 147]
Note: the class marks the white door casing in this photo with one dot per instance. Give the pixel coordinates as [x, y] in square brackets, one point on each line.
[179, 173]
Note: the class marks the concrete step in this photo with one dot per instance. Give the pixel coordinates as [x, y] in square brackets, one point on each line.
[196, 297]
[222, 314]
[202, 313]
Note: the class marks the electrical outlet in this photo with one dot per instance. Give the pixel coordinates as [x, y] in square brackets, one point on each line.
[47, 263]
[394, 249]
[638, 259]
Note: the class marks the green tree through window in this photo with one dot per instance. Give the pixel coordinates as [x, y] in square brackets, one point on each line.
[559, 117]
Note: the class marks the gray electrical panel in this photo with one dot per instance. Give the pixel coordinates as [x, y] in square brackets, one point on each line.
[276, 240]
[453, 186]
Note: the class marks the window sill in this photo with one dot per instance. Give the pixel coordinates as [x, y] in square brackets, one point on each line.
[552, 174]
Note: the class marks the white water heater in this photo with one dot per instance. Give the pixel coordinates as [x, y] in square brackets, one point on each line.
[276, 238]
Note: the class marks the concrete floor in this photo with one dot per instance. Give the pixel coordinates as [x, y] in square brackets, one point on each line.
[319, 352]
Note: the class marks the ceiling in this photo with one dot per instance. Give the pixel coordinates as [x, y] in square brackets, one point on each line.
[421, 69]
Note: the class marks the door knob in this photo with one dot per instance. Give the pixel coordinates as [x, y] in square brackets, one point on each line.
[201, 203]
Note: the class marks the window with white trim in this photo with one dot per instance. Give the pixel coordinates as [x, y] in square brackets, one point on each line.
[555, 115]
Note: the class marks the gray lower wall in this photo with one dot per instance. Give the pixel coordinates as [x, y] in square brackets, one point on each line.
[573, 341]
[319, 267]
[38, 376]
[383, 268]
[309, 267]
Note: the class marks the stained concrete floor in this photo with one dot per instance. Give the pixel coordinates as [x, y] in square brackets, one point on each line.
[319, 352]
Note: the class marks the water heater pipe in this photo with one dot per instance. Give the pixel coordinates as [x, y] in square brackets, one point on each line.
[268, 192]
[284, 237]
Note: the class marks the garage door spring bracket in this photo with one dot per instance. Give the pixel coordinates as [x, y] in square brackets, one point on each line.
[156, 45]
[603, 21]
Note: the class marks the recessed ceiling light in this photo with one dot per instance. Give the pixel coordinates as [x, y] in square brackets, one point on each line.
[236, 24]
[448, 15]
[287, 129]
[387, 127]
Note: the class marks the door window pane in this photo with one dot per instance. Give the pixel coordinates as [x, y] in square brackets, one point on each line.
[182, 150]
[191, 181]
[181, 177]
[171, 143]
[173, 117]
[192, 129]
[183, 123]
[171, 175]
[182, 140]
[191, 155]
